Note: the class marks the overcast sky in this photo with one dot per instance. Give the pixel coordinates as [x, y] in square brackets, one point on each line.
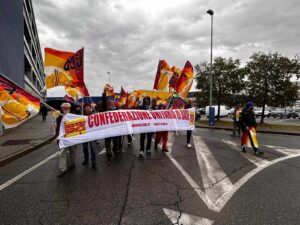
[128, 37]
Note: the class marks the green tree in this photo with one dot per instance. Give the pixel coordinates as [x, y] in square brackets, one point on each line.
[227, 81]
[268, 79]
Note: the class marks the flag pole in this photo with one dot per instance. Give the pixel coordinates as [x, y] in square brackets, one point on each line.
[50, 107]
[82, 101]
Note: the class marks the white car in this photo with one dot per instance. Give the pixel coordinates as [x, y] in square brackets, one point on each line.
[258, 112]
[224, 111]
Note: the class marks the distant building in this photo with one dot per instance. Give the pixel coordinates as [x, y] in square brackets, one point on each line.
[20, 52]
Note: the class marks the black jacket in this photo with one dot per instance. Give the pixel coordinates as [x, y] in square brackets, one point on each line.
[58, 122]
[247, 119]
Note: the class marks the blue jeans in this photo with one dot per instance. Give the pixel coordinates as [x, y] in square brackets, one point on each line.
[86, 151]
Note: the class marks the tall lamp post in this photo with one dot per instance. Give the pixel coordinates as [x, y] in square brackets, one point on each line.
[211, 109]
[108, 77]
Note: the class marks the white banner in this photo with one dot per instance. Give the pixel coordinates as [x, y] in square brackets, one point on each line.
[76, 129]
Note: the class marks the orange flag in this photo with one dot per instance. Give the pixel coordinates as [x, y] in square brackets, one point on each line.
[16, 105]
[123, 97]
[185, 81]
[66, 69]
[176, 72]
[109, 90]
[163, 75]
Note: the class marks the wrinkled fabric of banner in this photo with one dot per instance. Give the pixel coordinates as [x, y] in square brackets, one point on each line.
[76, 129]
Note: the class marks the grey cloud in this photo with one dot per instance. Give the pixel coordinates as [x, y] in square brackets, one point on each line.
[128, 42]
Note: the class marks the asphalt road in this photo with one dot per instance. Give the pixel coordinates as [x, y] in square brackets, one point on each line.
[211, 183]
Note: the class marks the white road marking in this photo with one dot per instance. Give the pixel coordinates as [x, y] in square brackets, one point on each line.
[283, 150]
[225, 198]
[252, 158]
[215, 180]
[185, 218]
[216, 197]
[16, 178]
[189, 179]
[102, 152]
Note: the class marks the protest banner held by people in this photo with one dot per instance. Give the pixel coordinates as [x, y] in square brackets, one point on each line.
[248, 125]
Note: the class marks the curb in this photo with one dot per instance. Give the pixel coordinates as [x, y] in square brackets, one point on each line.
[259, 131]
[25, 151]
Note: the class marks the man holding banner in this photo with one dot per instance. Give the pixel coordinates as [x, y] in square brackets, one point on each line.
[87, 108]
[145, 106]
[67, 155]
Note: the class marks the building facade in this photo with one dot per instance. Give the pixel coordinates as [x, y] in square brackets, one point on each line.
[20, 52]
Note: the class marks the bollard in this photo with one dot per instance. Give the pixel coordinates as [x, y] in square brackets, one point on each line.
[211, 116]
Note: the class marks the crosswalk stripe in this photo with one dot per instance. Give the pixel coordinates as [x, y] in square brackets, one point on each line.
[215, 180]
[186, 219]
[283, 150]
[225, 198]
[189, 179]
[253, 159]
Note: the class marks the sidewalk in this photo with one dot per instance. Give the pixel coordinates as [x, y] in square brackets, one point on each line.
[261, 128]
[23, 139]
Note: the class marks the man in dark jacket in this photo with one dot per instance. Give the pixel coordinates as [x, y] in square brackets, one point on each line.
[248, 122]
[44, 112]
[108, 105]
[87, 109]
[145, 106]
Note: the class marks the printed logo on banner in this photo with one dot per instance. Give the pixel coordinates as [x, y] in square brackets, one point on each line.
[74, 127]
[192, 117]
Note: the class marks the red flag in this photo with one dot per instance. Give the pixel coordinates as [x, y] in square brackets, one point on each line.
[123, 98]
[185, 81]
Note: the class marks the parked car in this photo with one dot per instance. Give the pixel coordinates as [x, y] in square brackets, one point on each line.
[258, 113]
[278, 113]
[293, 114]
[224, 111]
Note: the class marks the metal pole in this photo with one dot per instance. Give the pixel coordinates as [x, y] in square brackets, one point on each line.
[108, 77]
[211, 58]
[211, 109]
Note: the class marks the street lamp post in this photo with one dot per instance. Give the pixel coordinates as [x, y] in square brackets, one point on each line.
[211, 109]
[108, 77]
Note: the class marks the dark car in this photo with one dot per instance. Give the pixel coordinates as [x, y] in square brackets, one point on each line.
[293, 114]
[277, 113]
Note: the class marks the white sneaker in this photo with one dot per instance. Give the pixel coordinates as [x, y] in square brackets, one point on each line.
[189, 145]
[141, 154]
